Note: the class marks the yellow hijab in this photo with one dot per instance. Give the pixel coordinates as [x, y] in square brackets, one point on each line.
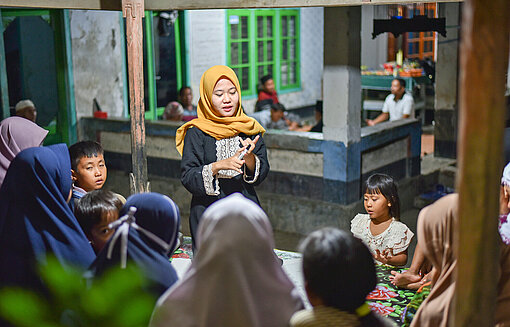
[209, 121]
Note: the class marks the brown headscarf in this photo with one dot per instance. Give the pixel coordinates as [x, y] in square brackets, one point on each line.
[436, 225]
[209, 121]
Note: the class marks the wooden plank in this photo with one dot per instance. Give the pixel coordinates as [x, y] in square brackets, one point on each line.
[483, 65]
[133, 11]
[200, 4]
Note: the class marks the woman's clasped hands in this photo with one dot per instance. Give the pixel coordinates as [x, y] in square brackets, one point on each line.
[235, 162]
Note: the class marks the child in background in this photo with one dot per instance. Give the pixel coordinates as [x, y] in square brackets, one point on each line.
[380, 229]
[339, 273]
[95, 211]
[88, 168]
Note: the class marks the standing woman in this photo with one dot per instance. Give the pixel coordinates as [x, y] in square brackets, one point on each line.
[212, 146]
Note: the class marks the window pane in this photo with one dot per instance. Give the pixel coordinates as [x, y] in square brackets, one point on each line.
[269, 50]
[284, 25]
[260, 26]
[270, 69]
[292, 49]
[260, 51]
[234, 53]
[269, 28]
[234, 31]
[292, 27]
[284, 49]
[283, 76]
[244, 27]
[244, 52]
[292, 73]
[245, 85]
[236, 70]
[260, 72]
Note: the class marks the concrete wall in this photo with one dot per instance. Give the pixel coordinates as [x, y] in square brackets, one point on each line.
[206, 38]
[374, 52]
[97, 61]
[296, 194]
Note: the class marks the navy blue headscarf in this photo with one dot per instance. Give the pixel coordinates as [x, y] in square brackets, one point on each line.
[35, 220]
[159, 215]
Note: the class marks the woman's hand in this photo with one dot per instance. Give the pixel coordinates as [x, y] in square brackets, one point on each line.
[249, 157]
[383, 257]
[232, 163]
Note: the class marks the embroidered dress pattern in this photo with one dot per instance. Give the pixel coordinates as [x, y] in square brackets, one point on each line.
[255, 175]
[208, 177]
[226, 148]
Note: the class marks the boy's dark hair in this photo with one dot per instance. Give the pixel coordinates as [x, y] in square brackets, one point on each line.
[93, 206]
[338, 268]
[278, 107]
[402, 82]
[181, 90]
[385, 185]
[82, 149]
[265, 78]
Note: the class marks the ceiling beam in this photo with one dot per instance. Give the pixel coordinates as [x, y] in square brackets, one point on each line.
[200, 4]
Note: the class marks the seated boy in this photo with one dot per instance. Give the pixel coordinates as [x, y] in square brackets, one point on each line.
[95, 211]
[339, 272]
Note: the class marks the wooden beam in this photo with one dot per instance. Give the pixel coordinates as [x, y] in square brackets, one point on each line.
[200, 4]
[483, 65]
[133, 11]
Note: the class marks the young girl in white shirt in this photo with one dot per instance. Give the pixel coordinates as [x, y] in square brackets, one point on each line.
[380, 228]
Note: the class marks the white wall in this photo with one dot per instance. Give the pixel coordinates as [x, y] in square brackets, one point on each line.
[206, 42]
[97, 61]
[373, 51]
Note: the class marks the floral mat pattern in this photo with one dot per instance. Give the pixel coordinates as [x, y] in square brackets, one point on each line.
[387, 299]
[185, 251]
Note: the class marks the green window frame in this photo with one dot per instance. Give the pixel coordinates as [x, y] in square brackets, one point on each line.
[239, 52]
[256, 46]
[289, 54]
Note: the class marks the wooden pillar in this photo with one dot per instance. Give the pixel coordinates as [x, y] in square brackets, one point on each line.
[133, 11]
[483, 64]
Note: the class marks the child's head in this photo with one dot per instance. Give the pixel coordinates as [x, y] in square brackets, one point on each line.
[380, 197]
[87, 165]
[338, 268]
[95, 211]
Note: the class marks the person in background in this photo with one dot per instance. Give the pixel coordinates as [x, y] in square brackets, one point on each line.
[339, 273]
[35, 220]
[26, 109]
[318, 118]
[95, 211]
[268, 90]
[88, 168]
[277, 118]
[17, 134]
[398, 104]
[186, 98]
[173, 111]
[235, 279]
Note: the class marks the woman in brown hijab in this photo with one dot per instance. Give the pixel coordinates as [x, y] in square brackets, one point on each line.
[436, 225]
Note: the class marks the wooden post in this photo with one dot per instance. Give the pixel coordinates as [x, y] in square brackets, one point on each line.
[133, 11]
[483, 65]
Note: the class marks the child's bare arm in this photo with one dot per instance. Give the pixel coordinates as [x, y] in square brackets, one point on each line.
[388, 258]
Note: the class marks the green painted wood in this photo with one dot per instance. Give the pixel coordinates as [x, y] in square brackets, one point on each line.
[151, 73]
[4, 90]
[125, 81]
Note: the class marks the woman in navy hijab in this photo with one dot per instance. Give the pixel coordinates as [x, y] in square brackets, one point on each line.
[149, 234]
[35, 220]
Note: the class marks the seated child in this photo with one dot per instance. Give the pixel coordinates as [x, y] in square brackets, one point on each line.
[88, 169]
[380, 228]
[339, 273]
[95, 211]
